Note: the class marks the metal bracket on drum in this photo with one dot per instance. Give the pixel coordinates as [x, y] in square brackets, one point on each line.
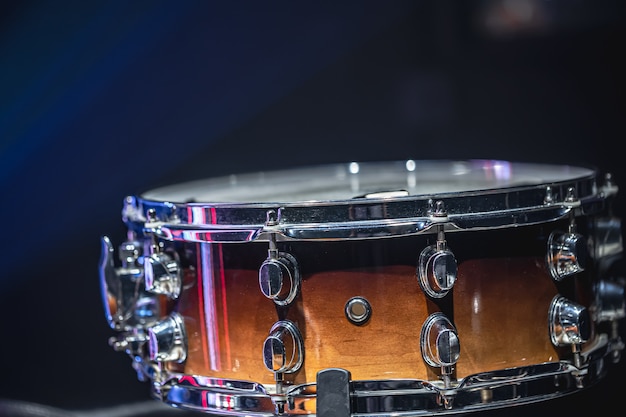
[122, 287]
[279, 275]
[610, 306]
[129, 308]
[439, 344]
[567, 251]
[161, 270]
[283, 353]
[437, 268]
[569, 325]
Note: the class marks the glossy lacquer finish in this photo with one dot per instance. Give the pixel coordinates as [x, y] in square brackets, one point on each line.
[500, 311]
[499, 307]
[237, 319]
[411, 287]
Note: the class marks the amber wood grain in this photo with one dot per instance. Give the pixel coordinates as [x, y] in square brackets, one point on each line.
[500, 309]
[387, 346]
[501, 314]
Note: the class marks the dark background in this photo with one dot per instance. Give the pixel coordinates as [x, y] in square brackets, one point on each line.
[102, 99]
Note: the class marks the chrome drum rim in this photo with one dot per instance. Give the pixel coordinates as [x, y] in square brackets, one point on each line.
[479, 194]
[386, 398]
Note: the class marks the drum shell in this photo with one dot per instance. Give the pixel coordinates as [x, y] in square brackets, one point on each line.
[499, 305]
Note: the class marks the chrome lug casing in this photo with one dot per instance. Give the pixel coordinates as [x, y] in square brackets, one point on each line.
[283, 350]
[167, 340]
[145, 299]
[567, 254]
[279, 278]
[570, 323]
[610, 301]
[439, 341]
[162, 275]
[437, 271]
[440, 347]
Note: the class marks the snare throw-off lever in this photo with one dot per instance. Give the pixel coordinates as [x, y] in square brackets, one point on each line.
[133, 304]
[129, 308]
[127, 304]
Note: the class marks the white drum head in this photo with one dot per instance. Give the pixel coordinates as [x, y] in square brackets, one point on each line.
[364, 200]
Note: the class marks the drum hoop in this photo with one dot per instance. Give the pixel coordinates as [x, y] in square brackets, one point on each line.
[518, 386]
[196, 222]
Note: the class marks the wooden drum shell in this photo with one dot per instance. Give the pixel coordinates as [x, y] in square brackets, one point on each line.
[499, 306]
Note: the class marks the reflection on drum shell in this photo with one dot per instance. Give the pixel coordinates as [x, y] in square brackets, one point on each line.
[499, 306]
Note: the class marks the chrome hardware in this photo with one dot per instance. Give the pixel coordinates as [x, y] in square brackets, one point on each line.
[358, 310]
[283, 352]
[439, 344]
[569, 325]
[130, 342]
[609, 188]
[567, 253]
[610, 306]
[610, 301]
[167, 340]
[126, 303]
[477, 197]
[549, 198]
[279, 278]
[328, 212]
[279, 275]
[162, 274]
[607, 238]
[437, 209]
[133, 342]
[387, 398]
[283, 349]
[437, 268]
[571, 197]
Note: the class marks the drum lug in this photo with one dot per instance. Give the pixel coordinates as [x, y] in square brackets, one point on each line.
[567, 252]
[608, 238]
[168, 340]
[279, 278]
[162, 274]
[439, 344]
[610, 306]
[283, 349]
[437, 268]
[279, 275]
[569, 325]
[283, 352]
[610, 301]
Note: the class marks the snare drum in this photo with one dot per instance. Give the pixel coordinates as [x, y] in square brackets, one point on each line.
[405, 287]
